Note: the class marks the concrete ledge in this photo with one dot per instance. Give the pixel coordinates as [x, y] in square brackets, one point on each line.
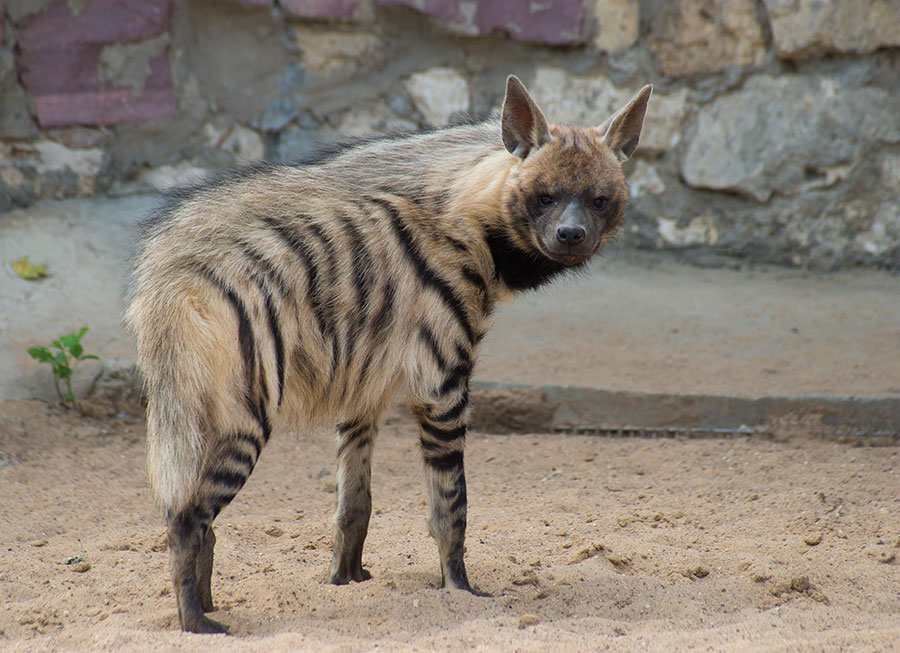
[505, 407]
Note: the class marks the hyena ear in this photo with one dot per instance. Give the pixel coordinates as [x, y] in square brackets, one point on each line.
[522, 125]
[622, 131]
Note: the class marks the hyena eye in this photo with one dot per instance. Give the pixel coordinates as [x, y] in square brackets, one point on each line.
[545, 200]
[601, 202]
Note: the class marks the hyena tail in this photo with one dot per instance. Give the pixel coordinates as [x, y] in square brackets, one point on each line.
[175, 446]
[171, 352]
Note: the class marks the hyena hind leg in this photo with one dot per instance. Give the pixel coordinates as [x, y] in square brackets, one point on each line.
[227, 466]
[204, 570]
[354, 500]
[191, 558]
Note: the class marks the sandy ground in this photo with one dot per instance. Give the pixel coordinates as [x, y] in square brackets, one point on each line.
[785, 541]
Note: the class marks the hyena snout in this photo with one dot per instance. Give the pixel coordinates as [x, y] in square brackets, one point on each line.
[572, 238]
[571, 235]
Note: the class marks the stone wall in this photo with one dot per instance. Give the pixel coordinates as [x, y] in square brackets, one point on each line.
[773, 134]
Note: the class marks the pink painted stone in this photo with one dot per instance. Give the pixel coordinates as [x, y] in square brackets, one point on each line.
[104, 107]
[554, 22]
[320, 8]
[59, 61]
[101, 21]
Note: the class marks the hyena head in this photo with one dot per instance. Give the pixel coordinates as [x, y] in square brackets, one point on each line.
[566, 195]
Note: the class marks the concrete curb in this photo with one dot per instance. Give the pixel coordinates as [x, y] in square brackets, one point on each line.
[514, 407]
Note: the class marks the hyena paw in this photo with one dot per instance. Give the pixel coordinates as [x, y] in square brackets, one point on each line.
[361, 575]
[203, 626]
[466, 588]
[344, 577]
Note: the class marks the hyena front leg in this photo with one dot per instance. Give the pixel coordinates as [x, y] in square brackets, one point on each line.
[442, 437]
[354, 500]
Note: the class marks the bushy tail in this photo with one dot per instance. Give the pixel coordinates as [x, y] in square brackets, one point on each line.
[174, 446]
[176, 380]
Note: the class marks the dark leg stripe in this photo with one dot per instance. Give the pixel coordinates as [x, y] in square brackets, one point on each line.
[355, 435]
[227, 478]
[218, 501]
[428, 338]
[454, 412]
[250, 439]
[444, 435]
[202, 515]
[241, 459]
[461, 497]
[427, 276]
[446, 462]
[458, 376]
[429, 446]
[302, 251]
[343, 427]
[360, 441]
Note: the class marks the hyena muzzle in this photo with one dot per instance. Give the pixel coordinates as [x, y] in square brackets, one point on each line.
[314, 291]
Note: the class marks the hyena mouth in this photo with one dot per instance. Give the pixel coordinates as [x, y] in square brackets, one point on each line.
[568, 255]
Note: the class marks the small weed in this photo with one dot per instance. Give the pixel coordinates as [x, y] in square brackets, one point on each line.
[70, 350]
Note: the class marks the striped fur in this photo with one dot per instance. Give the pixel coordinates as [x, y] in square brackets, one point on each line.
[313, 292]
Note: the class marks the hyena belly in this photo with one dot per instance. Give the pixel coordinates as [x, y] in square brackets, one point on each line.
[293, 295]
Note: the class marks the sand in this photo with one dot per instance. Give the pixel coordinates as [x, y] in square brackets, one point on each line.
[781, 541]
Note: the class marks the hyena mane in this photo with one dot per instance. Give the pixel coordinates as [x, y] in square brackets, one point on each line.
[312, 292]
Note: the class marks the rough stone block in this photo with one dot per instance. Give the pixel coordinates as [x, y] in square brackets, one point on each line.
[238, 58]
[554, 22]
[617, 24]
[46, 169]
[335, 9]
[60, 61]
[696, 36]
[805, 28]
[438, 93]
[335, 52]
[786, 135]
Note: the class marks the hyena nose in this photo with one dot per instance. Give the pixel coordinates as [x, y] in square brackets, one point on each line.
[569, 235]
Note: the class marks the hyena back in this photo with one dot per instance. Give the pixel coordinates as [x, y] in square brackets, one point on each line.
[312, 292]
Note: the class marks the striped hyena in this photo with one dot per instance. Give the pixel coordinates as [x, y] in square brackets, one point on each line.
[312, 292]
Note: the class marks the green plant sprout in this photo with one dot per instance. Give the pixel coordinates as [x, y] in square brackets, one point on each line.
[70, 349]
